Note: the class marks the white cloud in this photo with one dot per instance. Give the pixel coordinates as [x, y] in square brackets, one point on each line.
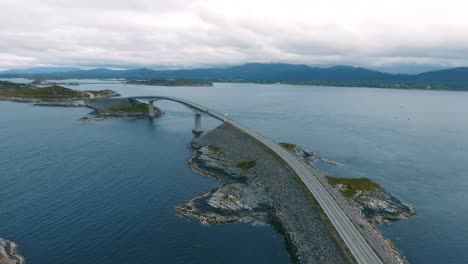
[200, 33]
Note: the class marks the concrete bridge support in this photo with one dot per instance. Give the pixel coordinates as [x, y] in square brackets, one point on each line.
[151, 109]
[197, 130]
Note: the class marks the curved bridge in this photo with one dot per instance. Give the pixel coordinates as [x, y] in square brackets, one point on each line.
[359, 247]
[196, 108]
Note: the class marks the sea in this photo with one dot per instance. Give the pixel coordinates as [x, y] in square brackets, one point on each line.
[106, 191]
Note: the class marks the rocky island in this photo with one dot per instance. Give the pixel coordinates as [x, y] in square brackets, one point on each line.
[9, 253]
[105, 108]
[257, 188]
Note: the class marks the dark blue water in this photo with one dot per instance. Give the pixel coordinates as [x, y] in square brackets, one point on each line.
[106, 192]
[414, 143]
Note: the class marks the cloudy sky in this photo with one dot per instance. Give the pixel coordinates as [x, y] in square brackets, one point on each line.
[406, 35]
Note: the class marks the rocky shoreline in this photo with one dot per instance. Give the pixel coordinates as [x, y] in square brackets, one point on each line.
[266, 192]
[9, 253]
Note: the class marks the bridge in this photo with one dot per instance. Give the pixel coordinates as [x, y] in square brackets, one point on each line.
[359, 247]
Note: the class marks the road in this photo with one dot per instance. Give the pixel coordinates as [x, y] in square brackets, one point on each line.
[361, 250]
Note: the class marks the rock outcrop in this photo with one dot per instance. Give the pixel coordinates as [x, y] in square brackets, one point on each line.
[377, 204]
[9, 253]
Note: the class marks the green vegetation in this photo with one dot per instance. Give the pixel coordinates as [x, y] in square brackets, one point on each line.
[214, 149]
[5, 85]
[246, 165]
[353, 185]
[137, 108]
[172, 82]
[288, 146]
[17, 90]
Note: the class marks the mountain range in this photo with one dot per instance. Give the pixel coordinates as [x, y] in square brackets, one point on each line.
[265, 72]
[39, 70]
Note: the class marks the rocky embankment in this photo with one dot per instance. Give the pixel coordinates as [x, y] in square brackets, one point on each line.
[364, 202]
[104, 108]
[258, 188]
[375, 203]
[9, 253]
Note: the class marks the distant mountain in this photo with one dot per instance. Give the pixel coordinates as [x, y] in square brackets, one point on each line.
[455, 75]
[40, 70]
[270, 72]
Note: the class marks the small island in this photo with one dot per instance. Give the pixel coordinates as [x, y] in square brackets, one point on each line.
[171, 82]
[105, 108]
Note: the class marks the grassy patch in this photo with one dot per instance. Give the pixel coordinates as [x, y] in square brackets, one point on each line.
[233, 188]
[138, 108]
[246, 165]
[353, 185]
[6, 85]
[288, 146]
[214, 149]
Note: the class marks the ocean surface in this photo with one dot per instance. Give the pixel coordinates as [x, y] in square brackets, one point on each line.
[105, 192]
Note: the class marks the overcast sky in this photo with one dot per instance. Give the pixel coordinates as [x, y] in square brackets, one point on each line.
[200, 33]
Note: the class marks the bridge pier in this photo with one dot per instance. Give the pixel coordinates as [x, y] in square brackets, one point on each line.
[197, 130]
[151, 109]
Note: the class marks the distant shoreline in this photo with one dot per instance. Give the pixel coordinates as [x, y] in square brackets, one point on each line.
[152, 82]
[211, 82]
